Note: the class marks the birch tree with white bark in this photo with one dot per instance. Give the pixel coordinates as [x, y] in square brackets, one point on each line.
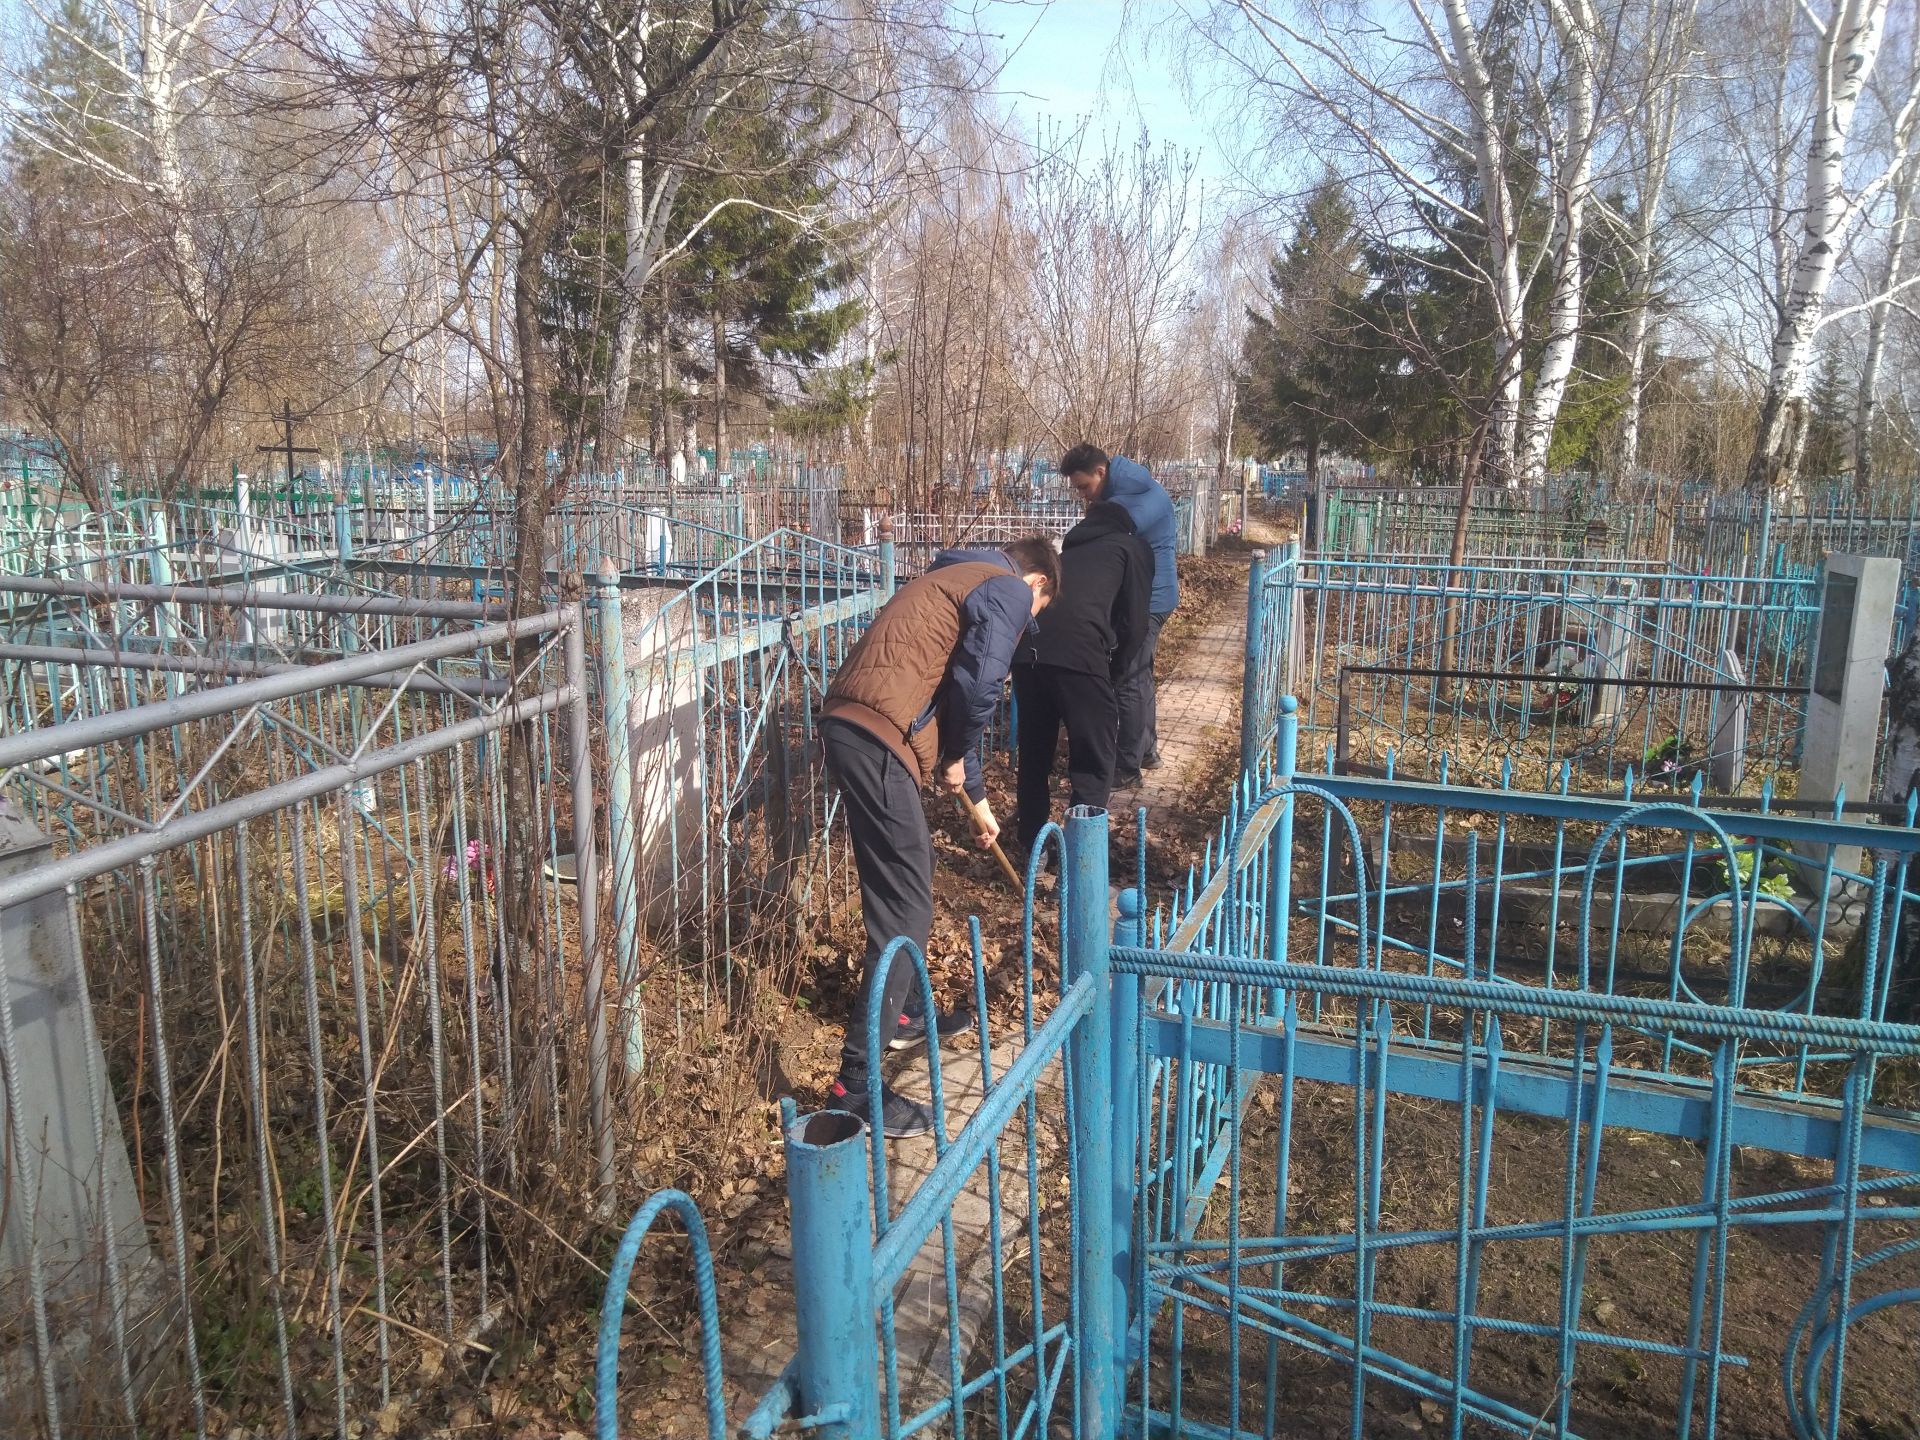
[1447, 116]
[162, 123]
[1902, 119]
[1661, 40]
[1828, 199]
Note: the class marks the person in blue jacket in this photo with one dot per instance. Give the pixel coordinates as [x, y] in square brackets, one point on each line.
[1095, 475]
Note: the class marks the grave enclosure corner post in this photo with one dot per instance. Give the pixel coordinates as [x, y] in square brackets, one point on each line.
[1250, 669]
[1100, 1366]
[837, 1362]
[342, 532]
[1280, 846]
[617, 707]
[587, 892]
[887, 573]
[1129, 929]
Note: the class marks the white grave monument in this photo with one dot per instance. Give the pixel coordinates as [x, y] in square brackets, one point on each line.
[1727, 757]
[1846, 683]
[665, 742]
[66, 1193]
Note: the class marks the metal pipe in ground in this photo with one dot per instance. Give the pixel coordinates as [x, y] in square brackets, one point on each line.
[1100, 1351]
[837, 1365]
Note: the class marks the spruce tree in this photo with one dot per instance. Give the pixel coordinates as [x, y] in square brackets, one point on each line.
[1296, 387]
[1828, 451]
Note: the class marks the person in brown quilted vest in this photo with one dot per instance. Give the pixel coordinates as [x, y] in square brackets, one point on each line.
[906, 710]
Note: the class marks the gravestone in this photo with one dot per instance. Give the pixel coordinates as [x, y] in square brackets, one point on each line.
[1846, 683]
[1611, 630]
[1727, 759]
[67, 1191]
[664, 740]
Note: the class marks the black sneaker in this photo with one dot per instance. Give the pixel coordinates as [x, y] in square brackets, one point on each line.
[912, 1030]
[1152, 762]
[1127, 780]
[900, 1118]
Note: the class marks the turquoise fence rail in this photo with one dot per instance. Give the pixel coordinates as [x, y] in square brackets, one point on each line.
[1433, 1102]
[1515, 673]
[1684, 529]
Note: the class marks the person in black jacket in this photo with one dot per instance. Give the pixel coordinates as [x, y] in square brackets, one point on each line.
[1065, 668]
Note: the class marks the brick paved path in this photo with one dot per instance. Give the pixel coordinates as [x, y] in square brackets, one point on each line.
[1199, 702]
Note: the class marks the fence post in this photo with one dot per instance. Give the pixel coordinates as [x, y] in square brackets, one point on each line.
[1128, 929]
[1250, 670]
[342, 531]
[1100, 1366]
[1280, 845]
[243, 512]
[886, 557]
[586, 894]
[617, 703]
[836, 1368]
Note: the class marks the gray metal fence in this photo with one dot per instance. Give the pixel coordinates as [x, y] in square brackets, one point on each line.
[298, 1067]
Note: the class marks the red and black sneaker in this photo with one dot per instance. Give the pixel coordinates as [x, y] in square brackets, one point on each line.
[912, 1029]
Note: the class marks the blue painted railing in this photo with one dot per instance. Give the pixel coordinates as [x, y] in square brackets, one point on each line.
[1530, 990]
[1357, 642]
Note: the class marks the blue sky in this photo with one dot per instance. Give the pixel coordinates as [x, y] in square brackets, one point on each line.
[1070, 59]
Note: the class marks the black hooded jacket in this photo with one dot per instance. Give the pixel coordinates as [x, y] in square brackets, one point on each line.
[1098, 620]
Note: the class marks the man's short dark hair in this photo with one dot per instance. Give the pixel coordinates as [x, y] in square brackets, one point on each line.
[1035, 555]
[1082, 460]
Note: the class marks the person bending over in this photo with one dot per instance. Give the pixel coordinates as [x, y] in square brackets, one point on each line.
[906, 709]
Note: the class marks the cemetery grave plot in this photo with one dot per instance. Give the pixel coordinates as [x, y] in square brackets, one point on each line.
[1572, 679]
[1631, 1288]
[715, 989]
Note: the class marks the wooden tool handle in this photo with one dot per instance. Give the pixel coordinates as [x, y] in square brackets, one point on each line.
[972, 812]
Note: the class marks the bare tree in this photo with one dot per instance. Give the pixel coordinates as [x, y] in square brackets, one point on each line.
[1847, 41]
[1440, 125]
[1892, 279]
[1114, 233]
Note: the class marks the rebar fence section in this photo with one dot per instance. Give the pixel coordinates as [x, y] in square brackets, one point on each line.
[1679, 528]
[724, 827]
[1583, 675]
[1022, 1299]
[1490, 1109]
[1426, 1108]
[329, 1024]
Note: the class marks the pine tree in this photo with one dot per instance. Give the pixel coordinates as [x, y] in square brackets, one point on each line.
[1829, 444]
[766, 277]
[1296, 389]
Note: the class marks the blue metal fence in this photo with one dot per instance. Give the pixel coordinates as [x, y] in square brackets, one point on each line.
[1490, 668]
[1418, 1096]
[1683, 529]
[1049, 1353]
